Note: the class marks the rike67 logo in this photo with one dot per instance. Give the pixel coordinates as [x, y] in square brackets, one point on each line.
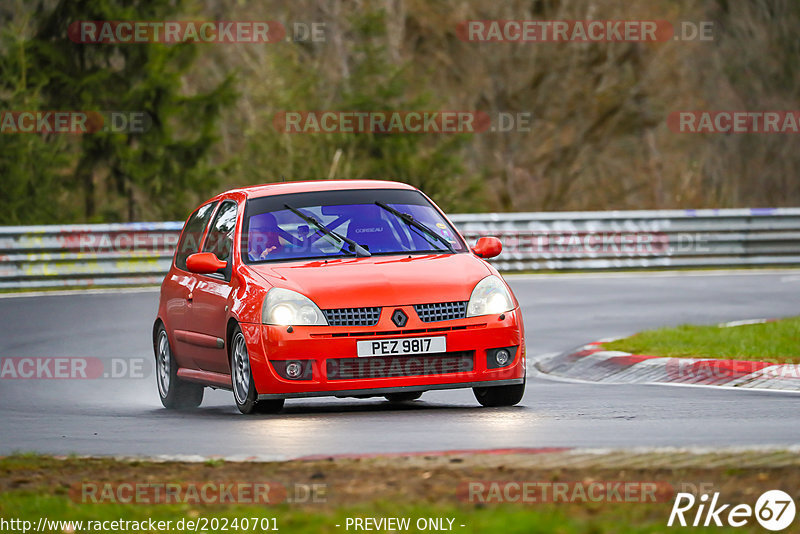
[774, 510]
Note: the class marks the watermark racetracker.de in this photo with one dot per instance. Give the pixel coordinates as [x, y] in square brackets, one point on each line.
[583, 31]
[76, 122]
[399, 121]
[734, 122]
[198, 493]
[131, 32]
[710, 370]
[584, 243]
[73, 368]
[535, 492]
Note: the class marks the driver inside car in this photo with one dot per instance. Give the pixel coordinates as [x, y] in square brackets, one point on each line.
[263, 237]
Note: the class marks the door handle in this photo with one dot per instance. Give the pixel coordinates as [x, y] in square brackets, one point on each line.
[190, 296]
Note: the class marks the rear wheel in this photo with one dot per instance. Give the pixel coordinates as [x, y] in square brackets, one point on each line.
[403, 397]
[174, 392]
[494, 396]
[244, 390]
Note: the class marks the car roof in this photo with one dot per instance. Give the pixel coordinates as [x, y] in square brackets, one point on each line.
[282, 188]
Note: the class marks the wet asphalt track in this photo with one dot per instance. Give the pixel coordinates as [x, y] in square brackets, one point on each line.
[124, 417]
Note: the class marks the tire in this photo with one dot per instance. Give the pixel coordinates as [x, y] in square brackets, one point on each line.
[494, 396]
[244, 389]
[175, 394]
[403, 397]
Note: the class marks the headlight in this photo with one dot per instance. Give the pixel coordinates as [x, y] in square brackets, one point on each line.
[286, 307]
[490, 297]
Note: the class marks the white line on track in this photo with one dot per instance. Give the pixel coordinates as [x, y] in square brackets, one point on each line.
[734, 388]
[97, 291]
[789, 274]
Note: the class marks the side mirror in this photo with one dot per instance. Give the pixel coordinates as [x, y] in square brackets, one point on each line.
[204, 263]
[487, 247]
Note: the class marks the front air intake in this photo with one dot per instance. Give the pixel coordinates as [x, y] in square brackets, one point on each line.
[352, 316]
[441, 311]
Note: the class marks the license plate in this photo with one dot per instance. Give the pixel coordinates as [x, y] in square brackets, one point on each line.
[406, 345]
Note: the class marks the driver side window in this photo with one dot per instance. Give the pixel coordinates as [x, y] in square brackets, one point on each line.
[192, 234]
[220, 235]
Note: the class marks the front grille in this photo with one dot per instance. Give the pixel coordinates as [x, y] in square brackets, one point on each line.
[394, 366]
[441, 311]
[352, 316]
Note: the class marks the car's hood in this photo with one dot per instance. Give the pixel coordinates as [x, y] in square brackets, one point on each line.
[379, 280]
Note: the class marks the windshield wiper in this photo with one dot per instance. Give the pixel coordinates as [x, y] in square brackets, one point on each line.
[357, 250]
[411, 221]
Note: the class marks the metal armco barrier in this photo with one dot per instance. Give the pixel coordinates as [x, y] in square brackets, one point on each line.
[640, 239]
[86, 254]
[140, 253]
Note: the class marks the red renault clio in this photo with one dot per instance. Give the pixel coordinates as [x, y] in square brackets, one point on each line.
[333, 288]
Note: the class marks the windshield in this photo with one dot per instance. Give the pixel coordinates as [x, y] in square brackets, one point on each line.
[320, 224]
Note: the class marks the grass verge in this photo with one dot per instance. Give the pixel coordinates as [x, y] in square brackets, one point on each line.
[32, 487]
[776, 341]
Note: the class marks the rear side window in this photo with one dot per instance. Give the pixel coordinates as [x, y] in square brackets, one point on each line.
[220, 235]
[193, 234]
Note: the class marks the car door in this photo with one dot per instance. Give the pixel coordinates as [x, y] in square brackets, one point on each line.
[179, 283]
[208, 309]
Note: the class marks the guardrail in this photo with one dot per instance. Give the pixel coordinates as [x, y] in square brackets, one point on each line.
[140, 253]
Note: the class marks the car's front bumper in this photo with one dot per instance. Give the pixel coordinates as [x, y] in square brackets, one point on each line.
[373, 392]
[325, 347]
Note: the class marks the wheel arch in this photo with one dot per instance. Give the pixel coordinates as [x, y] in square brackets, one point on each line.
[229, 328]
[158, 323]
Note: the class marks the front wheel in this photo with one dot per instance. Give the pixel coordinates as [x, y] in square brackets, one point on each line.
[175, 393]
[244, 390]
[494, 396]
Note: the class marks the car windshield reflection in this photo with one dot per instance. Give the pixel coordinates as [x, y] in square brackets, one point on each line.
[284, 231]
